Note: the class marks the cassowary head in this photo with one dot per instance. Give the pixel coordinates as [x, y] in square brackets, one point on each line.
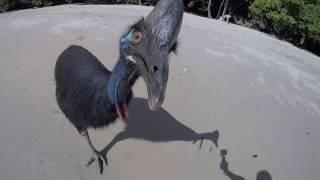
[146, 46]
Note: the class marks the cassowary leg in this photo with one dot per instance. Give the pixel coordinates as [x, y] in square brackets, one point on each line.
[98, 156]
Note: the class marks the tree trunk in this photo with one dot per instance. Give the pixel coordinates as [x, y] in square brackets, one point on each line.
[209, 9]
[226, 5]
[220, 7]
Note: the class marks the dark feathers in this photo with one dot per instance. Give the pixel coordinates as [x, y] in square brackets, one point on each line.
[174, 48]
[81, 89]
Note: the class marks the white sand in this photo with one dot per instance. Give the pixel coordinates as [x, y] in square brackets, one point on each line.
[261, 94]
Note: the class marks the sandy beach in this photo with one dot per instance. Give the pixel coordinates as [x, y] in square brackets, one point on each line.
[254, 98]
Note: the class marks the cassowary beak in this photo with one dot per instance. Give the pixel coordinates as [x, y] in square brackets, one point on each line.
[156, 78]
[161, 28]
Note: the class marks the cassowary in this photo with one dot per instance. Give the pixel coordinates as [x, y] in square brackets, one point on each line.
[92, 97]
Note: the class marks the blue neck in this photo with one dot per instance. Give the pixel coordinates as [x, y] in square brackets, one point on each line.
[124, 75]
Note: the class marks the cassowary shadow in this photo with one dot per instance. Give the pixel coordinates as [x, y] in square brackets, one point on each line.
[224, 166]
[157, 126]
[264, 175]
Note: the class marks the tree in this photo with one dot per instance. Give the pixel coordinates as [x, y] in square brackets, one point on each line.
[297, 21]
[226, 6]
[220, 8]
[209, 9]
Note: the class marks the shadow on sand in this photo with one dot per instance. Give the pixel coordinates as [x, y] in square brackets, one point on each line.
[157, 126]
[264, 175]
[224, 166]
[160, 126]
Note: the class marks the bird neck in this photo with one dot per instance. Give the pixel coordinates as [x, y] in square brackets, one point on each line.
[123, 77]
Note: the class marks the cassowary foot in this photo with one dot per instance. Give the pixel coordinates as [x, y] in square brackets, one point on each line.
[100, 158]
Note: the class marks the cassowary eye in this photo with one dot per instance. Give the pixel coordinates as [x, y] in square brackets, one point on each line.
[137, 37]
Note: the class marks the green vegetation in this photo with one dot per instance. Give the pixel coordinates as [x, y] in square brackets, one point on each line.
[8, 5]
[39, 3]
[4, 5]
[297, 21]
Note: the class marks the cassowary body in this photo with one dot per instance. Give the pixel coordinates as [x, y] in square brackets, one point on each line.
[81, 91]
[82, 83]
[90, 96]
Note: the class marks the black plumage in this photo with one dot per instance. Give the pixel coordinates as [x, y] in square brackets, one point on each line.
[82, 85]
[81, 89]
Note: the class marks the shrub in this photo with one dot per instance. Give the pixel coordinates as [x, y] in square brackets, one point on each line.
[40, 3]
[4, 5]
[297, 21]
